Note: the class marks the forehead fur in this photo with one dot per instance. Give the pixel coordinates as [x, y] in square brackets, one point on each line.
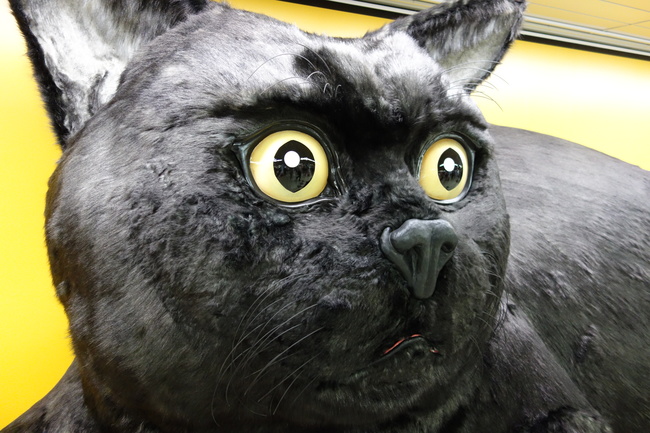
[229, 61]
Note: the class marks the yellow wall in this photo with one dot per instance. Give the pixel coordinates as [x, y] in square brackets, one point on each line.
[33, 344]
[597, 100]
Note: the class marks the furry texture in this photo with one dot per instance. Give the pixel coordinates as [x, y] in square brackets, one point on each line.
[78, 69]
[578, 266]
[198, 304]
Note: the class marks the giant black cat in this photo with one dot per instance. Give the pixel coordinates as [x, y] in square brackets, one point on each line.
[256, 229]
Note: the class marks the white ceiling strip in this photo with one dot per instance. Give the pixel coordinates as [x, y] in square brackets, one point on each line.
[533, 26]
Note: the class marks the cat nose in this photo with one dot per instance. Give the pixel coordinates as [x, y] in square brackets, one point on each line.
[419, 249]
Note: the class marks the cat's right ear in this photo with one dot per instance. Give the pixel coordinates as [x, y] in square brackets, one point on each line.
[466, 37]
[79, 49]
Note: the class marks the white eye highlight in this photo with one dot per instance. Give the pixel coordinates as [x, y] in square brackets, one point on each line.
[292, 159]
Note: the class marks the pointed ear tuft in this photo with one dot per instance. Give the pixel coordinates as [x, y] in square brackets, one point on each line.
[80, 49]
[467, 37]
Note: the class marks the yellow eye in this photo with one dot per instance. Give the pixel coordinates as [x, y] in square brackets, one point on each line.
[289, 166]
[445, 170]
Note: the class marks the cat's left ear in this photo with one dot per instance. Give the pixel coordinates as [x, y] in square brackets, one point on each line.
[466, 37]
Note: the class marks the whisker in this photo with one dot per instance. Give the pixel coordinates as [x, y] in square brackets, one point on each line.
[282, 81]
[247, 354]
[302, 391]
[475, 83]
[253, 307]
[485, 322]
[277, 406]
[278, 356]
[266, 340]
[484, 95]
[286, 378]
[480, 366]
[336, 90]
[314, 73]
[240, 340]
[502, 307]
[270, 291]
[244, 337]
[319, 57]
[467, 65]
[278, 56]
[278, 285]
[259, 345]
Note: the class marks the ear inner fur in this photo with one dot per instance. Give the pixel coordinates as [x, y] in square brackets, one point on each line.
[77, 54]
[468, 38]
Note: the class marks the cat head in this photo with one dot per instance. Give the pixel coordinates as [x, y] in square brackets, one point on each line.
[254, 224]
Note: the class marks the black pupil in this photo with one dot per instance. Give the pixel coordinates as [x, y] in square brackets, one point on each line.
[450, 169]
[294, 165]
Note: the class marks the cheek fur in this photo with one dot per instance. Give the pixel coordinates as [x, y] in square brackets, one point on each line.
[265, 289]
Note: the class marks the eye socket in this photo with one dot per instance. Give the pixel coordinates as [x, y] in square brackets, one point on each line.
[289, 166]
[445, 171]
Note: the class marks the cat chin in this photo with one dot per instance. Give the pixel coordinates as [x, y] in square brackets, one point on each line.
[379, 392]
[345, 408]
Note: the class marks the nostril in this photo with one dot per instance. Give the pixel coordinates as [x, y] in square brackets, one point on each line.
[448, 247]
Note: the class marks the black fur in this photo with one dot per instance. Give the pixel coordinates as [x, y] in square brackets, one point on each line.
[196, 303]
[578, 266]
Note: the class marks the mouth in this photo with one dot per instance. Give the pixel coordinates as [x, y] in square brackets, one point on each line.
[401, 370]
[410, 341]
